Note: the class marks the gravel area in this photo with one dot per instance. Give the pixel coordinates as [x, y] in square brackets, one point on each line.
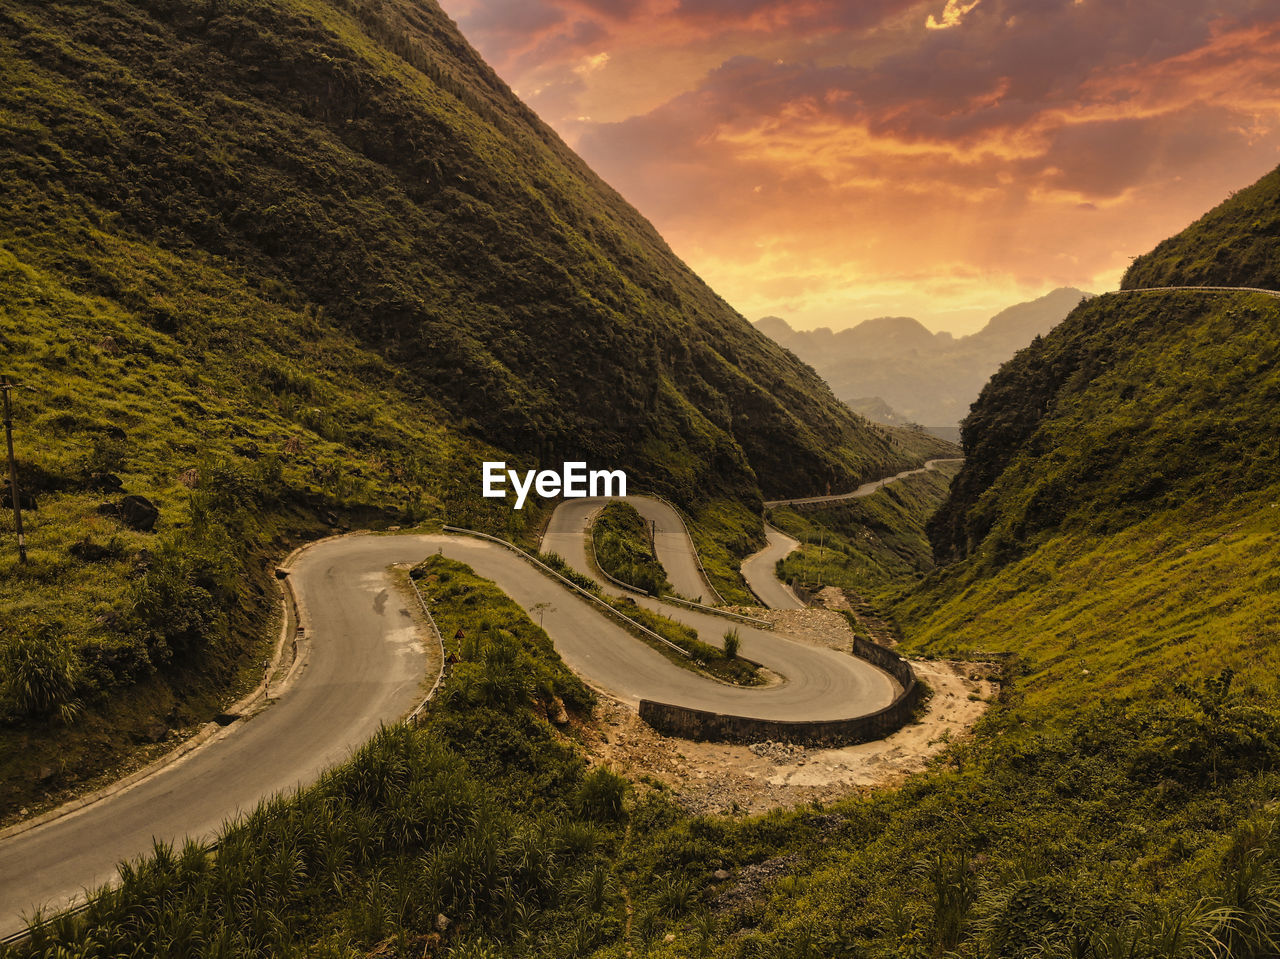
[719, 778]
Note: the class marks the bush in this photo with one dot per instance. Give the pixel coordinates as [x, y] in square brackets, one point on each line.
[40, 674]
[732, 643]
[180, 603]
[601, 795]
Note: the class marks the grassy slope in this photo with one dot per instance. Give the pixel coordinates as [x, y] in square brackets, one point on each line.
[364, 161]
[875, 545]
[1120, 792]
[1233, 244]
[1136, 405]
[315, 260]
[623, 550]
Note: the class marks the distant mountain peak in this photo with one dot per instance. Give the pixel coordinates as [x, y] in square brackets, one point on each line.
[915, 374]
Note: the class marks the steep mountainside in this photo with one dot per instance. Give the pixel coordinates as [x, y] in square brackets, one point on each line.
[284, 267]
[1119, 529]
[1136, 403]
[358, 160]
[928, 378]
[1233, 244]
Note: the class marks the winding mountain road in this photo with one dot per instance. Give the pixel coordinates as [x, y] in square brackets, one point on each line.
[1196, 289]
[866, 489]
[366, 666]
[760, 570]
[818, 683]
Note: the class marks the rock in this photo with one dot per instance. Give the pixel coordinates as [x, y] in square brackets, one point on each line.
[105, 482]
[442, 922]
[557, 712]
[152, 733]
[721, 875]
[90, 551]
[669, 937]
[46, 774]
[26, 499]
[138, 512]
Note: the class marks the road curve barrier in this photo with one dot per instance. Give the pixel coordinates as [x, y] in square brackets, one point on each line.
[415, 717]
[705, 726]
[626, 621]
[670, 597]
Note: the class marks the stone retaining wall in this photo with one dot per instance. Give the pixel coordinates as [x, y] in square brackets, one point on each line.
[703, 725]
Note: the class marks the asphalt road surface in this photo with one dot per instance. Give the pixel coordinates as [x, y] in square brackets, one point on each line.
[760, 571]
[866, 489]
[366, 666]
[817, 683]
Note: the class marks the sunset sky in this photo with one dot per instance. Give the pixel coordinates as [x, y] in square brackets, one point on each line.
[831, 161]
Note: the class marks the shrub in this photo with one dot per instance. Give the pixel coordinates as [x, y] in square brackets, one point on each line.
[601, 795]
[732, 643]
[40, 674]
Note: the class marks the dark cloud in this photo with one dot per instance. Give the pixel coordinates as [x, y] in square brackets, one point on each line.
[1037, 140]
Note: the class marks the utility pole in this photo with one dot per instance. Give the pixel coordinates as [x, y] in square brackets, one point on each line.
[6, 387]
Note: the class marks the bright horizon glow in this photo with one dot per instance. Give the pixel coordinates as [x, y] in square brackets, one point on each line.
[829, 162]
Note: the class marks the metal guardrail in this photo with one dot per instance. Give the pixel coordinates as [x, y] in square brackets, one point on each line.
[668, 597]
[717, 611]
[692, 545]
[626, 621]
[415, 717]
[1195, 289]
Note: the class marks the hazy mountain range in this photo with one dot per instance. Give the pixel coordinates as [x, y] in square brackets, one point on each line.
[894, 370]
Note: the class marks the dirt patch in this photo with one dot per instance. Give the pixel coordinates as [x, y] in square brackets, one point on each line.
[715, 777]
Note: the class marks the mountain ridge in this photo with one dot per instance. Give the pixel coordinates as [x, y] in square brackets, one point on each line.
[927, 378]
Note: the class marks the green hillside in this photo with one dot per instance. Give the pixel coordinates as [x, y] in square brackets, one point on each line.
[1111, 542]
[1136, 404]
[286, 268]
[1233, 244]
[358, 161]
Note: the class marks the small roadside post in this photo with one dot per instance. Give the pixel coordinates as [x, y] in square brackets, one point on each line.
[8, 387]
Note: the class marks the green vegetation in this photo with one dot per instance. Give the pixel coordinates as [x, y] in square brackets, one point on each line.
[484, 815]
[732, 643]
[284, 268]
[1135, 405]
[623, 548]
[1233, 244]
[723, 532]
[1114, 530]
[874, 544]
[1136, 826]
[360, 163]
[703, 657]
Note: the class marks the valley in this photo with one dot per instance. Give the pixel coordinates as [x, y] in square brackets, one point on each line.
[389, 485]
[365, 651]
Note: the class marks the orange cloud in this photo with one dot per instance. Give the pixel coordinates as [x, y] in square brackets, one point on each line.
[827, 161]
[952, 15]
